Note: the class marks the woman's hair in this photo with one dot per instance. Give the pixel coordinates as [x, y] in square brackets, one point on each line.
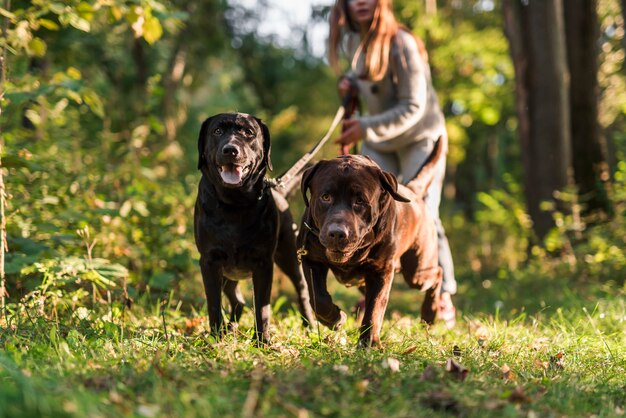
[376, 45]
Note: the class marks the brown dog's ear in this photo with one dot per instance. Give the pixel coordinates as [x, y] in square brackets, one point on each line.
[390, 184]
[306, 179]
[202, 141]
[267, 145]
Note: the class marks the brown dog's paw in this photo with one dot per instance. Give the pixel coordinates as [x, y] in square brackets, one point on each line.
[366, 341]
[446, 311]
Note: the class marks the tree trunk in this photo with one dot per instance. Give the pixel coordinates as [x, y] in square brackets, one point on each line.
[3, 225]
[589, 153]
[537, 38]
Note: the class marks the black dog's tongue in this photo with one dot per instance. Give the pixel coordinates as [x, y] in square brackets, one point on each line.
[231, 173]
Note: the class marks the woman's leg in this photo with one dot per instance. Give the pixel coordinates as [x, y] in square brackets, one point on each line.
[387, 161]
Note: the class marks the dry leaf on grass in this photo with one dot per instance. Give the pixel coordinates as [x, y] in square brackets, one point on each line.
[518, 396]
[507, 374]
[392, 364]
[429, 374]
[361, 386]
[556, 361]
[456, 370]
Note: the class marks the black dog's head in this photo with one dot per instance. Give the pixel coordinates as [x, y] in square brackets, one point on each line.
[234, 147]
[348, 195]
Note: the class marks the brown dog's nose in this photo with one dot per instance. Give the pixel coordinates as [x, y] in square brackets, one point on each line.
[337, 235]
[230, 149]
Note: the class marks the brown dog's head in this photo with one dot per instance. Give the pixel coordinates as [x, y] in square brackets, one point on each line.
[348, 194]
[233, 147]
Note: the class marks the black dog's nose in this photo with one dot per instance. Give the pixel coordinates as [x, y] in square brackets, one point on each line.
[230, 150]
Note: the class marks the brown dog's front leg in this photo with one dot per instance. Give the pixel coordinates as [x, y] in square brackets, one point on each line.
[212, 279]
[262, 283]
[377, 290]
[325, 310]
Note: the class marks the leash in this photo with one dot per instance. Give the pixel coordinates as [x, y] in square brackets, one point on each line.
[302, 251]
[283, 181]
[351, 103]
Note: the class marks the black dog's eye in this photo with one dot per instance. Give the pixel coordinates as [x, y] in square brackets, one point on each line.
[359, 200]
[218, 131]
[325, 197]
[249, 132]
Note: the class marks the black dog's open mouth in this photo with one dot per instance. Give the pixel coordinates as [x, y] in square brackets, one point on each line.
[233, 174]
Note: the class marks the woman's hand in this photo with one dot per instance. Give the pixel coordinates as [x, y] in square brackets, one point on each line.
[352, 132]
[343, 86]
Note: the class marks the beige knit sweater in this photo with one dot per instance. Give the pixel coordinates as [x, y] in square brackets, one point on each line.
[402, 108]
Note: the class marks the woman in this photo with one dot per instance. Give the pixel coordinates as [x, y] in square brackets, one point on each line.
[389, 67]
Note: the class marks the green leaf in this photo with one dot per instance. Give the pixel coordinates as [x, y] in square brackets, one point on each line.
[57, 8]
[94, 102]
[85, 10]
[6, 13]
[152, 29]
[37, 47]
[490, 116]
[79, 23]
[162, 280]
[49, 24]
[15, 161]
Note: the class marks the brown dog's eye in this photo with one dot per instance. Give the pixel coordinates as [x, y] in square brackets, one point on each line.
[249, 132]
[359, 201]
[325, 197]
[218, 131]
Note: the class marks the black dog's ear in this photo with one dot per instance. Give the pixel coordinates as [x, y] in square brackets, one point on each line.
[390, 184]
[202, 141]
[267, 144]
[306, 179]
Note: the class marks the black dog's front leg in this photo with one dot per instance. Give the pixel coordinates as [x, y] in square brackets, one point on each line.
[325, 310]
[213, 279]
[262, 283]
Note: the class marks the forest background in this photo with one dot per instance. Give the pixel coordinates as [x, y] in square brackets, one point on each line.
[102, 102]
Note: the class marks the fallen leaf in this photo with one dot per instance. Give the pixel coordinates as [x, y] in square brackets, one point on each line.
[410, 350]
[392, 364]
[362, 386]
[518, 396]
[457, 370]
[429, 374]
[341, 368]
[541, 364]
[115, 397]
[507, 374]
[556, 361]
[192, 323]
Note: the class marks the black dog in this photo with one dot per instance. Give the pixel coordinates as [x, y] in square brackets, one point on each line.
[241, 225]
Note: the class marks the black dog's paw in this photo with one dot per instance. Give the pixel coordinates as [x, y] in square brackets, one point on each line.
[338, 323]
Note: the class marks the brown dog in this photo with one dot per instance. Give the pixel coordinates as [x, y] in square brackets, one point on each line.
[362, 225]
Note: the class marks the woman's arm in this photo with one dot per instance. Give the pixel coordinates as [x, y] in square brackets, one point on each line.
[410, 71]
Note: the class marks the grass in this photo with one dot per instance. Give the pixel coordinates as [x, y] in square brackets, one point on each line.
[532, 346]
